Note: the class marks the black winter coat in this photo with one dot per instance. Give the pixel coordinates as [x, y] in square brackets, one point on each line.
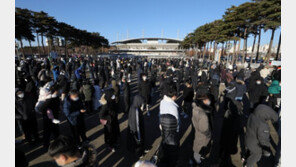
[145, 90]
[169, 125]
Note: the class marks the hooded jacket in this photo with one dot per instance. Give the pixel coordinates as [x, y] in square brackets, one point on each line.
[274, 88]
[258, 129]
[135, 116]
[256, 92]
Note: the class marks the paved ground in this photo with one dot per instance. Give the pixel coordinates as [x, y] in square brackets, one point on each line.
[38, 157]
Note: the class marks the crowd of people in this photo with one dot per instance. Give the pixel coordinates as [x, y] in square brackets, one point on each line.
[228, 106]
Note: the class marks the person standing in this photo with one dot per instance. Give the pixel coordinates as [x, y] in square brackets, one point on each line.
[97, 95]
[74, 110]
[188, 95]
[50, 113]
[25, 106]
[136, 131]
[169, 126]
[108, 118]
[145, 91]
[126, 95]
[201, 124]
[87, 91]
[258, 133]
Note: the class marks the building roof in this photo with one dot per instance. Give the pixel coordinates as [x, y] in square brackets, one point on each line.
[140, 40]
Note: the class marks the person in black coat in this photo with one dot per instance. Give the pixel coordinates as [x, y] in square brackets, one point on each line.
[25, 107]
[231, 125]
[145, 90]
[257, 135]
[257, 89]
[136, 131]
[108, 117]
[50, 121]
[74, 110]
[188, 95]
[126, 95]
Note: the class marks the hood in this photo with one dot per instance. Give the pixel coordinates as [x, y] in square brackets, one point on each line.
[203, 77]
[255, 75]
[138, 101]
[274, 88]
[241, 75]
[198, 104]
[264, 113]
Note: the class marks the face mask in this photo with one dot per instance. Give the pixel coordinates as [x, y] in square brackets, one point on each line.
[208, 102]
[75, 99]
[258, 82]
[21, 95]
[144, 78]
[113, 97]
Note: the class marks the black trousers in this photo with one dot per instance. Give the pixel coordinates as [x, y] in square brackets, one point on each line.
[126, 101]
[30, 129]
[78, 130]
[89, 106]
[168, 155]
[187, 108]
[49, 129]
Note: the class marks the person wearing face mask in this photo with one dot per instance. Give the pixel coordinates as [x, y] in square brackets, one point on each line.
[201, 124]
[145, 91]
[169, 126]
[257, 90]
[27, 116]
[108, 118]
[74, 110]
[50, 112]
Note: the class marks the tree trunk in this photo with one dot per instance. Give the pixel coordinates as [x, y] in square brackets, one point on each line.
[238, 50]
[204, 51]
[66, 53]
[22, 47]
[214, 51]
[38, 44]
[49, 44]
[278, 49]
[30, 47]
[234, 52]
[210, 50]
[270, 46]
[245, 45]
[221, 54]
[253, 48]
[258, 45]
[42, 43]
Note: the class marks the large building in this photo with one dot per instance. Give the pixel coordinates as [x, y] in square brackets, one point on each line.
[149, 47]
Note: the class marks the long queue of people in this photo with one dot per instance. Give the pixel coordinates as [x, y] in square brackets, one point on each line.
[225, 105]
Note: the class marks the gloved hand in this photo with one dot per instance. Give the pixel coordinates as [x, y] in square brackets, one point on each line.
[266, 151]
[55, 121]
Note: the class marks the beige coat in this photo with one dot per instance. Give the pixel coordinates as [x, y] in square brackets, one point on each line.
[201, 125]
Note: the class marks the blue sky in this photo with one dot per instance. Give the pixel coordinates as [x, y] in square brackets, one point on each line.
[114, 18]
